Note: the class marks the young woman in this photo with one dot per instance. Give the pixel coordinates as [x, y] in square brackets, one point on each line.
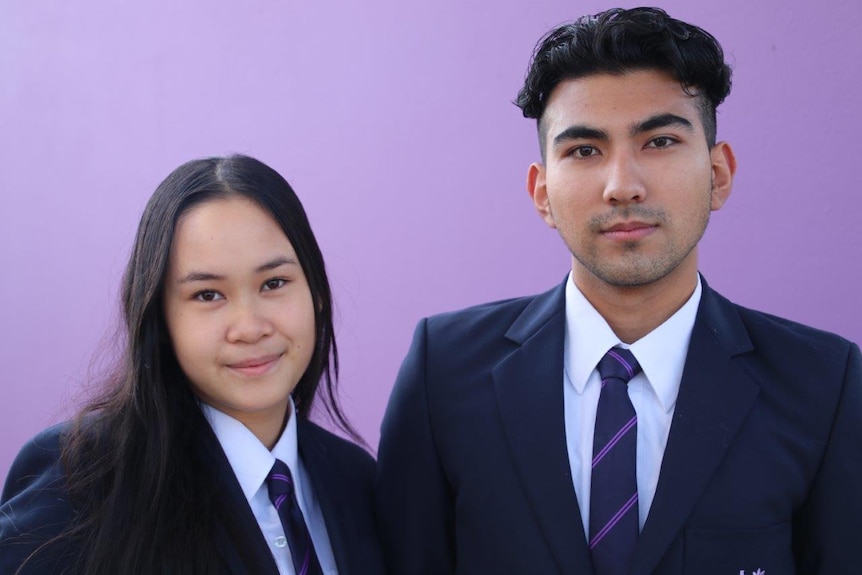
[199, 457]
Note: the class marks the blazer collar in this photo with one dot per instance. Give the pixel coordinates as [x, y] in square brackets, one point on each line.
[544, 308]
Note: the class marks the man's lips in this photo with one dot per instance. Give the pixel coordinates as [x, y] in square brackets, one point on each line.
[628, 231]
[255, 365]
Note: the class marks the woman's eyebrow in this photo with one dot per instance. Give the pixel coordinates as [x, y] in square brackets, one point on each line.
[276, 262]
[201, 276]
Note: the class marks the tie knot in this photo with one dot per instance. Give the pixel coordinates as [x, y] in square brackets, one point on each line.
[618, 363]
[279, 481]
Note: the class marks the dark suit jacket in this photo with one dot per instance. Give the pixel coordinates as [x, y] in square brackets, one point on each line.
[762, 469]
[35, 507]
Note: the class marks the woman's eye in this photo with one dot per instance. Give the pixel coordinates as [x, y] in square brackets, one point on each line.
[274, 283]
[208, 295]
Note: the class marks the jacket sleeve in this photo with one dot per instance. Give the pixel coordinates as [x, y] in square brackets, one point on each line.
[34, 509]
[415, 506]
[828, 527]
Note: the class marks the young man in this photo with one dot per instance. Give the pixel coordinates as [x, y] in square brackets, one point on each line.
[631, 420]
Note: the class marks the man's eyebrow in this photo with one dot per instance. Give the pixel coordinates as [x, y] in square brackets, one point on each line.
[661, 121]
[579, 132]
[196, 276]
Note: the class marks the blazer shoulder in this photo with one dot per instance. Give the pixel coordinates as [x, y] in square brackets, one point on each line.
[35, 507]
[790, 338]
[484, 312]
[807, 369]
[315, 441]
[496, 317]
[741, 329]
[39, 459]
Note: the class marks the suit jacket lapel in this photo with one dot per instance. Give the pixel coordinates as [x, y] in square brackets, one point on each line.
[529, 387]
[239, 522]
[331, 499]
[715, 396]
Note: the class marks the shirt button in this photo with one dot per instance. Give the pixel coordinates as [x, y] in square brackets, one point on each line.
[280, 541]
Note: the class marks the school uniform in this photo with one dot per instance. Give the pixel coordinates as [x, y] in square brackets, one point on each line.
[335, 488]
[760, 446]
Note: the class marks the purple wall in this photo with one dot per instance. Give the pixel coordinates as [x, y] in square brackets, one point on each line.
[394, 124]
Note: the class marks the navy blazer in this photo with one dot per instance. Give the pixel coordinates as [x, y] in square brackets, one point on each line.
[762, 467]
[34, 506]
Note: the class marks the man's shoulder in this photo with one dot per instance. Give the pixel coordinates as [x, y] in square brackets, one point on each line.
[484, 312]
[789, 328]
[777, 340]
[487, 317]
[787, 332]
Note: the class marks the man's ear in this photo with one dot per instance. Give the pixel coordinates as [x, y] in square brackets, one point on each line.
[539, 192]
[723, 170]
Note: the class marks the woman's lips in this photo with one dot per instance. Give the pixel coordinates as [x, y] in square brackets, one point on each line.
[255, 366]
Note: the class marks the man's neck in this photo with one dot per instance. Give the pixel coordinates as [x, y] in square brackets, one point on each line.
[633, 312]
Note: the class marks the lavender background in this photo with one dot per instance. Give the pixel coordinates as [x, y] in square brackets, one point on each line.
[393, 122]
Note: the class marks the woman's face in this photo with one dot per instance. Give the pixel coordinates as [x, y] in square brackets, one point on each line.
[239, 312]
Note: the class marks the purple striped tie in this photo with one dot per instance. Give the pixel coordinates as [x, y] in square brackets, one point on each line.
[614, 491]
[281, 493]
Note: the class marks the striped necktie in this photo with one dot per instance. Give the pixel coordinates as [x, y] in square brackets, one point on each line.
[283, 496]
[614, 490]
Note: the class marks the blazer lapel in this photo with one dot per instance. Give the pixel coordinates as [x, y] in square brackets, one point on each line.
[331, 499]
[529, 387]
[715, 396]
[239, 522]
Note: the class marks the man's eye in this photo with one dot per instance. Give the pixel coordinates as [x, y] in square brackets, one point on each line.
[584, 151]
[662, 142]
[274, 283]
[207, 295]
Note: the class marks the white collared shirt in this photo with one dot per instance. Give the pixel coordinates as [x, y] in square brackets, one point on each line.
[661, 354]
[251, 462]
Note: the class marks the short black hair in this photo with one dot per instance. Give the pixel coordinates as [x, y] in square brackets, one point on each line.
[618, 41]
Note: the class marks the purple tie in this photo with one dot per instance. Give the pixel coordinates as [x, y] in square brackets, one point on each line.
[281, 493]
[614, 490]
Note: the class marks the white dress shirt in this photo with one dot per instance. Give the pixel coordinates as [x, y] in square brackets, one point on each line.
[251, 462]
[661, 354]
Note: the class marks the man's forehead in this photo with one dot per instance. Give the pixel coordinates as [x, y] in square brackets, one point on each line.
[607, 101]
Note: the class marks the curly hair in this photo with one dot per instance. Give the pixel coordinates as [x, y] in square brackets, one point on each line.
[618, 41]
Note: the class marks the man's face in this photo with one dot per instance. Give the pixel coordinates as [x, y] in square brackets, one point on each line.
[629, 180]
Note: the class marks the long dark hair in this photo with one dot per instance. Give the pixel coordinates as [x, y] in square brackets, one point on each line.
[133, 457]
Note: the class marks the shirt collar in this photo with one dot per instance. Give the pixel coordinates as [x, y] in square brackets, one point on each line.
[661, 353]
[250, 460]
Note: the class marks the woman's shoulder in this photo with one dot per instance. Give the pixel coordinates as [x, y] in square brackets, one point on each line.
[35, 506]
[315, 440]
[38, 461]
